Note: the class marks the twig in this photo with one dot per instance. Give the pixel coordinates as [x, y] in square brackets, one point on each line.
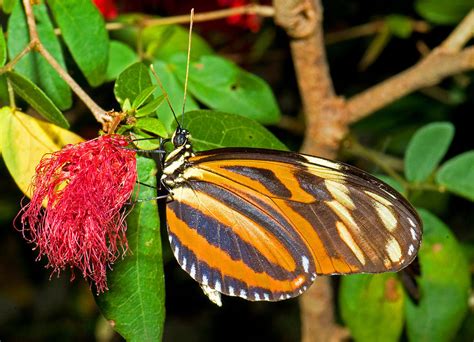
[428, 72]
[261, 10]
[461, 34]
[9, 66]
[99, 113]
[108, 26]
[446, 60]
[369, 29]
[11, 94]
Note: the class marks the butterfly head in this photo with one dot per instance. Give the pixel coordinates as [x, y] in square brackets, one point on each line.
[180, 137]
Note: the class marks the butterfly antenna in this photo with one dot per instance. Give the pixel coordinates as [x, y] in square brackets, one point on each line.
[165, 93]
[191, 19]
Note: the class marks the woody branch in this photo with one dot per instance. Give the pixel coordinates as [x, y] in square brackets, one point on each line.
[328, 116]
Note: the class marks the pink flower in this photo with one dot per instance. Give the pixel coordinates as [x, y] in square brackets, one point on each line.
[84, 188]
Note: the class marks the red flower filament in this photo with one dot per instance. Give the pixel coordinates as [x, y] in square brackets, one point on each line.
[84, 188]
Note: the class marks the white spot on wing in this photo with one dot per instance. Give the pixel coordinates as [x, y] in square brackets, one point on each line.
[183, 263]
[176, 251]
[305, 262]
[266, 296]
[411, 222]
[343, 213]
[231, 291]
[413, 234]
[323, 162]
[205, 281]
[386, 216]
[346, 236]
[393, 250]
[257, 296]
[379, 198]
[193, 271]
[340, 192]
[217, 286]
[243, 294]
[411, 249]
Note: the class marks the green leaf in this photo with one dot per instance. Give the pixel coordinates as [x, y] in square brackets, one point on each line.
[152, 125]
[121, 56]
[175, 92]
[442, 11]
[222, 85]
[4, 97]
[150, 107]
[143, 96]
[7, 6]
[33, 66]
[228, 130]
[163, 41]
[49, 80]
[372, 306]
[3, 48]
[135, 302]
[37, 99]
[426, 149]
[399, 25]
[145, 141]
[131, 82]
[457, 175]
[443, 285]
[83, 30]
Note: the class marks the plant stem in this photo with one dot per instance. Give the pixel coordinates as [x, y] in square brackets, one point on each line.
[35, 43]
[446, 60]
[264, 11]
[9, 66]
[11, 94]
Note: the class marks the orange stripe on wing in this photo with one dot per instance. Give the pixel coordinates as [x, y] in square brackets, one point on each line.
[246, 229]
[217, 258]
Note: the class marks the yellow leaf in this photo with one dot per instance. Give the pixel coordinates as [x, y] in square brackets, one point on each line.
[24, 140]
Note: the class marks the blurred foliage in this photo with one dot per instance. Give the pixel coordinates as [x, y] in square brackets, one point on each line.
[239, 82]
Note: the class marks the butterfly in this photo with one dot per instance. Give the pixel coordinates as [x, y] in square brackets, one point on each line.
[263, 224]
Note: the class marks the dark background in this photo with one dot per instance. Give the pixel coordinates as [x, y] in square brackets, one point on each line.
[34, 307]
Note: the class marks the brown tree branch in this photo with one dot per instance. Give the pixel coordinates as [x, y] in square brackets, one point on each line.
[446, 60]
[328, 117]
[99, 113]
[302, 20]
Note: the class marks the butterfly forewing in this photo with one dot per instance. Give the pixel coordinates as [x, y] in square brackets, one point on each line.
[260, 224]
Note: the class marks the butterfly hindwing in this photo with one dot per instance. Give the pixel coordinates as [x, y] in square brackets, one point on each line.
[260, 224]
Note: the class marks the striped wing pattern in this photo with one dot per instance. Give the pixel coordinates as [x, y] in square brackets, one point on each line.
[261, 224]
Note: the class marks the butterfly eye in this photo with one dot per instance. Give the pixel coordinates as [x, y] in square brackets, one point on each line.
[180, 137]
